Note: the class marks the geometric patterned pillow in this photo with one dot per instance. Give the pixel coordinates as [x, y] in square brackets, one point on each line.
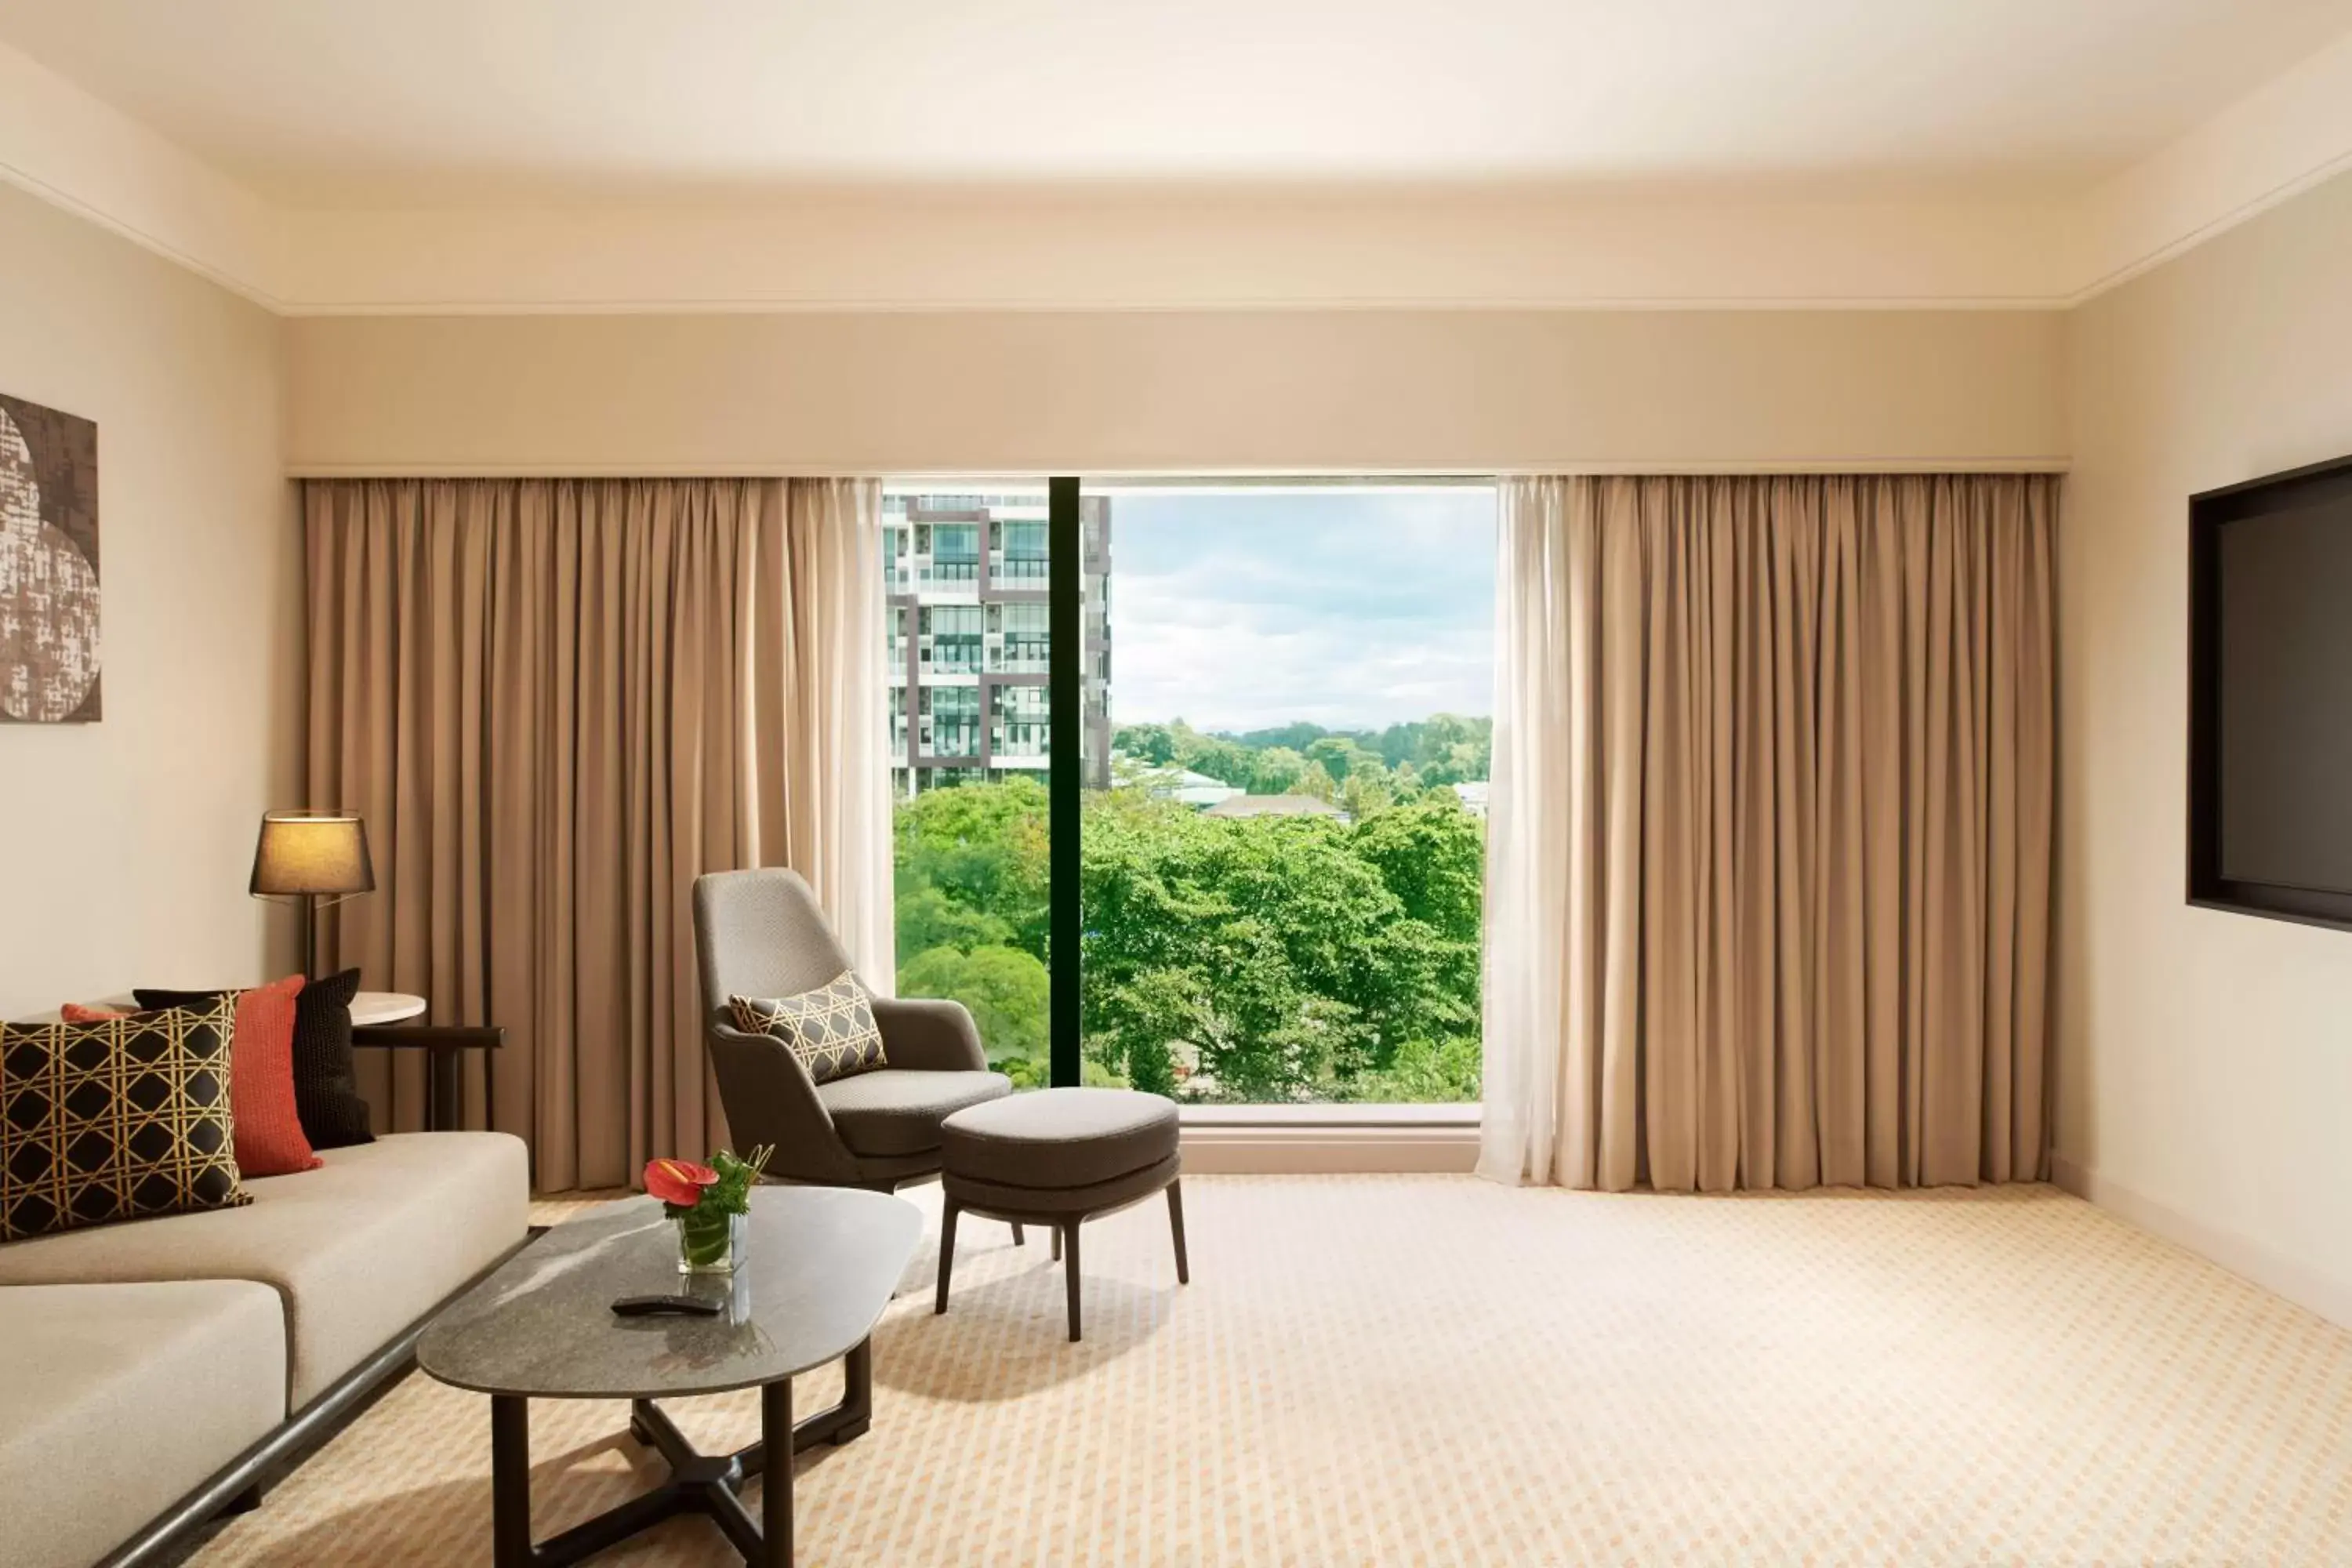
[831, 1028]
[116, 1120]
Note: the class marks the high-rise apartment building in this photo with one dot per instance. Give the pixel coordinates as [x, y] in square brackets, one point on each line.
[970, 637]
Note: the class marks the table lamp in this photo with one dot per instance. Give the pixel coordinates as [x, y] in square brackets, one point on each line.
[316, 856]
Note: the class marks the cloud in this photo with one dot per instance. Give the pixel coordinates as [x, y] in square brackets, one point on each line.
[1349, 608]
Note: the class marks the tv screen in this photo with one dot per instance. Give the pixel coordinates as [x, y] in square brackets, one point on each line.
[2271, 692]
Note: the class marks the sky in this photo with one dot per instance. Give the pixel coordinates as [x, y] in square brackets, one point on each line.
[1354, 609]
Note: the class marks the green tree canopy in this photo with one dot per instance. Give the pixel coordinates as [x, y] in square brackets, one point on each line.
[1255, 958]
[1433, 856]
[1007, 989]
[985, 850]
[929, 918]
[1276, 772]
[1153, 743]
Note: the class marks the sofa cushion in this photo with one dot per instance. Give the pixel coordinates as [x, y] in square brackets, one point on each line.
[894, 1111]
[359, 1248]
[115, 1120]
[1060, 1137]
[121, 1400]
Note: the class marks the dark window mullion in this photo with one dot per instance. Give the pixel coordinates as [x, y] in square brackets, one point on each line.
[1066, 774]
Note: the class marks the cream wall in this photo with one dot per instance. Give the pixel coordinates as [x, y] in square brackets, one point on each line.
[125, 845]
[2206, 1058]
[1334, 391]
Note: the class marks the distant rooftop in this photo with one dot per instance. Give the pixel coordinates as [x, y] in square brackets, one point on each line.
[1274, 805]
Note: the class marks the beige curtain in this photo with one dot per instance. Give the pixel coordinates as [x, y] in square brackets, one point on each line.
[557, 702]
[1768, 886]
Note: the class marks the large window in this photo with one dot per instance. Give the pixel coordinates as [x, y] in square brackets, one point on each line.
[1282, 877]
[1271, 838]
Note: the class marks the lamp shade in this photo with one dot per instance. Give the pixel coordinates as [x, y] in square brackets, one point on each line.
[312, 852]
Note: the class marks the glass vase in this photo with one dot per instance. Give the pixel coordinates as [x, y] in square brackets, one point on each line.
[709, 1243]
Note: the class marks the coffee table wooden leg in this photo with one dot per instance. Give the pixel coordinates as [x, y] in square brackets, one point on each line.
[510, 1480]
[857, 1395]
[776, 1472]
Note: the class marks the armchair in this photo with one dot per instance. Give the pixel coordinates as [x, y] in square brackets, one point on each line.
[761, 933]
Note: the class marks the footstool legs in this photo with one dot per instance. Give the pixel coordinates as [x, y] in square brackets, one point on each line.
[947, 1254]
[1065, 1253]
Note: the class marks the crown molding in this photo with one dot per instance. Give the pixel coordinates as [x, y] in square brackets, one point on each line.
[951, 250]
[75, 150]
[1181, 251]
[2288, 135]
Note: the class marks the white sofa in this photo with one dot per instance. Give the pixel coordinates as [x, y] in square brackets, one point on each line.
[140, 1359]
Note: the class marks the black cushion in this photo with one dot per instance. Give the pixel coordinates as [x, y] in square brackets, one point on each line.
[326, 1081]
[116, 1120]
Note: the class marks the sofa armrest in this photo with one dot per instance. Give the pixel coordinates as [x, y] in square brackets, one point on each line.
[926, 1034]
[769, 1097]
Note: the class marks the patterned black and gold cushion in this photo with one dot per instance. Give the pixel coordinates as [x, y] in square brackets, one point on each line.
[831, 1028]
[116, 1120]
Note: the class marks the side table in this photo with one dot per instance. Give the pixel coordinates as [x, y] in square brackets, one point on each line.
[381, 1021]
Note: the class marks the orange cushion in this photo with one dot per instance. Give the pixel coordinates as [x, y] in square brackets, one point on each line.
[269, 1137]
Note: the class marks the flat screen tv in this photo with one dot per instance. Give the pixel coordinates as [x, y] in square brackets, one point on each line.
[2270, 695]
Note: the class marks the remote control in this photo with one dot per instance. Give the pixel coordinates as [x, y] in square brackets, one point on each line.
[654, 1306]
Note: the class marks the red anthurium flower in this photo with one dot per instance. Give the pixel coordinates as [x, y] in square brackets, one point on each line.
[679, 1183]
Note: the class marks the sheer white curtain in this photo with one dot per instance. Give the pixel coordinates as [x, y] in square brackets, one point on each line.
[837, 784]
[1545, 567]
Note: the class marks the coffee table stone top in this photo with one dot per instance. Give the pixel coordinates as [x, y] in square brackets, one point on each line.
[820, 1266]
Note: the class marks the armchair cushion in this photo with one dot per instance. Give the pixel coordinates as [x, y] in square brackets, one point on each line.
[895, 1112]
[831, 1028]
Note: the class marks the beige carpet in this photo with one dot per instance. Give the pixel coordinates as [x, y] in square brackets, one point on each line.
[1403, 1370]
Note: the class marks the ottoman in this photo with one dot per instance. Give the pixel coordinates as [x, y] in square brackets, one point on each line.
[1059, 1157]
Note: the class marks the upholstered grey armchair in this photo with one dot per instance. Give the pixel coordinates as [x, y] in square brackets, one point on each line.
[761, 933]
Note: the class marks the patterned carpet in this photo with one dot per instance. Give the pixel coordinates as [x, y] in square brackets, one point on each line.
[1399, 1370]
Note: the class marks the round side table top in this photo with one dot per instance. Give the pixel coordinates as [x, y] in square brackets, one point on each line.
[385, 1007]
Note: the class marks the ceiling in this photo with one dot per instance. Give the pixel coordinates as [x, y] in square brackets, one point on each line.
[435, 101]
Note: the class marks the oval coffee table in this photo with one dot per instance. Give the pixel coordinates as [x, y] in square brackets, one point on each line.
[820, 1266]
